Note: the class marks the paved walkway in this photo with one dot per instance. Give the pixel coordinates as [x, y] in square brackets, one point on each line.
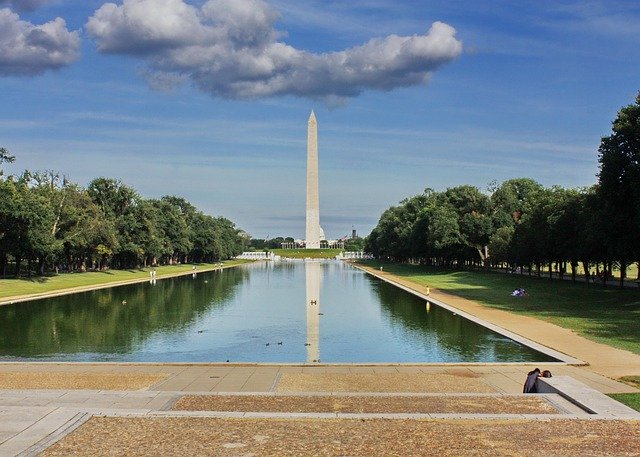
[32, 419]
[500, 378]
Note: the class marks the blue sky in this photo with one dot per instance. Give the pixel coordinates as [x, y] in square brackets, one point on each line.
[209, 99]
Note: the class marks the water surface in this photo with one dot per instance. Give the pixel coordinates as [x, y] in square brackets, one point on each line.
[289, 312]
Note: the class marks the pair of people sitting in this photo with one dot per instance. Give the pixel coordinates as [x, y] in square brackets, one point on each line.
[530, 386]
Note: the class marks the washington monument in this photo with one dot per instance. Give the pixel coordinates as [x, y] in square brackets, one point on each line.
[314, 232]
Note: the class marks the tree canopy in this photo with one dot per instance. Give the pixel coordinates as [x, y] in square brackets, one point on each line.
[54, 224]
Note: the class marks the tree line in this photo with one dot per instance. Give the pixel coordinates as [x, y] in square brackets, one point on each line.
[49, 224]
[521, 224]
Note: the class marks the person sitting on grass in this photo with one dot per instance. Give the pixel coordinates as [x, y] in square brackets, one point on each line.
[519, 292]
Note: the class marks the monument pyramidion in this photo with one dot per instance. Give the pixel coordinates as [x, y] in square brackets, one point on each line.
[314, 232]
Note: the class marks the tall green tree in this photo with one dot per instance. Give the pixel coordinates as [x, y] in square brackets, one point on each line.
[619, 185]
[512, 199]
[474, 212]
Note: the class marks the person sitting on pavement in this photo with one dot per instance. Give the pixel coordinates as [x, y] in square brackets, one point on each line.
[530, 386]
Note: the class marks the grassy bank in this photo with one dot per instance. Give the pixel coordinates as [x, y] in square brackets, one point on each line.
[631, 400]
[307, 253]
[606, 315]
[44, 284]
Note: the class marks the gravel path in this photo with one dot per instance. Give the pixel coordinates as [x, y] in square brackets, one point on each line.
[382, 382]
[303, 437]
[366, 404]
[92, 381]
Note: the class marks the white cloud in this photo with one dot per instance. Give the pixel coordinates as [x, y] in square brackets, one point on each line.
[24, 5]
[28, 49]
[232, 50]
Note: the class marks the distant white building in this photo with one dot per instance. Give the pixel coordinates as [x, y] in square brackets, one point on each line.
[258, 255]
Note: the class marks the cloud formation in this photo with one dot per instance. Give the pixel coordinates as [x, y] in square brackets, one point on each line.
[232, 50]
[24, 5]
[28, 49]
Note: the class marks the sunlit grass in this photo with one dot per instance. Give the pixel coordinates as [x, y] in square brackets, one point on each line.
[607, 315]
[38, 284]
[631, 400]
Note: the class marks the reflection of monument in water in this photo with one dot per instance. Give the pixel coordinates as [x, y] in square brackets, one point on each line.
[314, 232]
[313, 275]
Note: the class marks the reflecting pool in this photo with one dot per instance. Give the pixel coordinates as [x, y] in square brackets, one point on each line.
[287, 311]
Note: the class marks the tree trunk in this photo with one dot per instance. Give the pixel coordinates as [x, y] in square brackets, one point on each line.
[484, 256]
[18, 261]
[623, 272]
[587, 275]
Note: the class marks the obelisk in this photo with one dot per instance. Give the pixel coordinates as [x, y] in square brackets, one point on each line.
[313, 202]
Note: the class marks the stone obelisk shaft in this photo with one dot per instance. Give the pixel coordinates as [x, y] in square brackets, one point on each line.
[313, 201]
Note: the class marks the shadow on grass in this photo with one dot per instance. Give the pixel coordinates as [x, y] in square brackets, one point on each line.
[48, 277]
[32, 279]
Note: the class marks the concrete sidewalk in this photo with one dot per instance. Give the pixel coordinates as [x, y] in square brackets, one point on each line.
[501, 378]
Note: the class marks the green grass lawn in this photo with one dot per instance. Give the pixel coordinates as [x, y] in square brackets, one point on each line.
[607, 315]
[307, 253]
[38, 284]
[631, 400]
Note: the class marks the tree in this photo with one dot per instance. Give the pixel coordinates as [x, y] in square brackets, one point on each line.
[173, 225]
[6, 157]
[354, 244]
[8, 221]
[500, 244]
[474, 218]
[619, 185]
[30, 222]
[512, 199]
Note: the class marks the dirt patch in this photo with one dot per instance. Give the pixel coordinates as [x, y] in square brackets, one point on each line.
[633, 381]
[463, 373]
[366, 404]
[380, 382]
[92, 381]
[306, 437]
